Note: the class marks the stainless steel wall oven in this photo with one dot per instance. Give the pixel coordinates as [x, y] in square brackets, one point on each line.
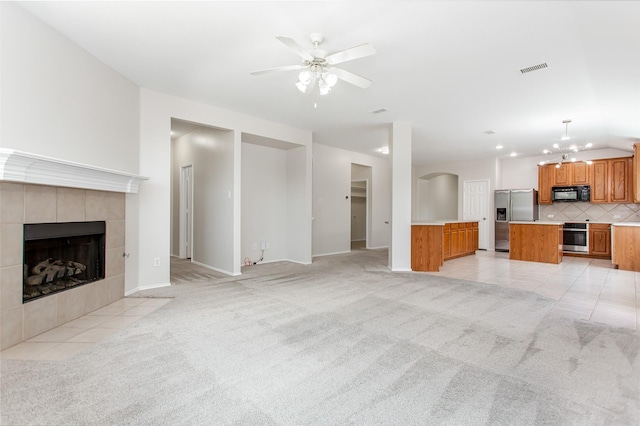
[575, 237]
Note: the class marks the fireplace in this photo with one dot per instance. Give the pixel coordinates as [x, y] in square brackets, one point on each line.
[62, 256]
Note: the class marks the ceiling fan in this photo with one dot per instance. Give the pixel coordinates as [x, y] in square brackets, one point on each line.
[318, 66]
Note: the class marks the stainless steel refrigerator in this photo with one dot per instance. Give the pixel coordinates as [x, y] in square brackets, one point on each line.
[512, 205]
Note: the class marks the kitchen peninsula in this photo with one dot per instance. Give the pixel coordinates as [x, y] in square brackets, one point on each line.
[433, 243]
[536, 241]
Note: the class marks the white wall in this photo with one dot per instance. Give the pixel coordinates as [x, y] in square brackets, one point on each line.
[61, 102]
[58, 101]
[437, 198]
[299, 209]
[156, 112]
[331, 186]
[210, 152]
[264, 202]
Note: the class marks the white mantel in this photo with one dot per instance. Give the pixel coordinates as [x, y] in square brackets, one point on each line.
[24, 167]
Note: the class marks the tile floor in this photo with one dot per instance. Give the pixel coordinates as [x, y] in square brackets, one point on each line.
[588, 289]
[66, 340]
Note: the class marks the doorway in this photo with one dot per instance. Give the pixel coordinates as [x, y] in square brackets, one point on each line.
[475, 206]
[360, 208]
[358, 214]
[186, 211]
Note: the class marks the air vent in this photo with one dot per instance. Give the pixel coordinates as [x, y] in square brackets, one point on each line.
[490, 132]
[378, 111]
[534, 68]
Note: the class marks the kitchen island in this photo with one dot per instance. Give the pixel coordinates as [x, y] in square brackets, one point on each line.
[535, 241]
[625, 253]
[434, 242]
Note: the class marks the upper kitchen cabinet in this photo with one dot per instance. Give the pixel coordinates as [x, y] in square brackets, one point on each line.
[611, 180]
[545, 182]
[562, 175]
[579, 173]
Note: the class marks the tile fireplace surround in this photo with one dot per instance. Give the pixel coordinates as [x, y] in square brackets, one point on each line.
[26, 203]
[40, 189]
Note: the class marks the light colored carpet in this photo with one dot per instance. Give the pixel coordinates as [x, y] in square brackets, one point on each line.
[342, 341]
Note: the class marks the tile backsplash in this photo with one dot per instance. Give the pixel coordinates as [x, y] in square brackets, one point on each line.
[593, 212]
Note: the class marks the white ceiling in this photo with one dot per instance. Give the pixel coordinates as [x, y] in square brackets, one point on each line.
[450, 68]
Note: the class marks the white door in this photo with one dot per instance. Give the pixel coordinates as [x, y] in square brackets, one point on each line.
[186, 209]
[475, 207]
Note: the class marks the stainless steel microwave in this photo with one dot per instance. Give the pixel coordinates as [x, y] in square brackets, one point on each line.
[571, 193]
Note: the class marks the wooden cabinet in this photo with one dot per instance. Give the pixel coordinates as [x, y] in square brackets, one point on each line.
[562, 175]
[611, 180]
[620, 180]
[600, 239]
[579, 173]
[446, 241]
[535, 242]
[635, 173]
[545, 182]
[626, 247]
[599, 181]
[431, 245]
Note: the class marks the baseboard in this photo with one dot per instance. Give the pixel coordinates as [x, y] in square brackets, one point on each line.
[377, 248]
[331, 254]
[222, 271]
[147, 287]
[402, 270]
[279, 260]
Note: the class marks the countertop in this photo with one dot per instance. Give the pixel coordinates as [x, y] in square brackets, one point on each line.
[440, 222]
[537, 222]
[626, 224]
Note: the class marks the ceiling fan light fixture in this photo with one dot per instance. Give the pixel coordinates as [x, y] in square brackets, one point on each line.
[330, 78]
[304, 77]
[323, 88]
[302, 87]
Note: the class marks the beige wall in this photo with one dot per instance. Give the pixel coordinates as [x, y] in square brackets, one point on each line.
[22, 203]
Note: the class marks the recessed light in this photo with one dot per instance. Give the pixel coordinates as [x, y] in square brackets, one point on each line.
[384, 150]
[513, 154]
[499, 147]
[490, 132]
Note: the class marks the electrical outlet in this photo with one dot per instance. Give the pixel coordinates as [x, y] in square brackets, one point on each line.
[616, 216]
[156, 261]
[549, 216]
[268, 245]
[255, 246]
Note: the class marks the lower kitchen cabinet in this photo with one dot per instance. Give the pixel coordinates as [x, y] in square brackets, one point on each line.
[600, 240]
[432, 244]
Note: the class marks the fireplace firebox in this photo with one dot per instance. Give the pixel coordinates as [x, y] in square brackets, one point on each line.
[61, 256]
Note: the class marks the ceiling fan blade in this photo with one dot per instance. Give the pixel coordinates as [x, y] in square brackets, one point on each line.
[351, 54]
[350, 77]
[276, 69]
[293, 45]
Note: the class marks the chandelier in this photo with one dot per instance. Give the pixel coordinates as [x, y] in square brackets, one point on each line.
[564, 153]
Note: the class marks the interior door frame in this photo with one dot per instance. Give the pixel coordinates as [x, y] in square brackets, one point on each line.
[186, 228]
[483, 224]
